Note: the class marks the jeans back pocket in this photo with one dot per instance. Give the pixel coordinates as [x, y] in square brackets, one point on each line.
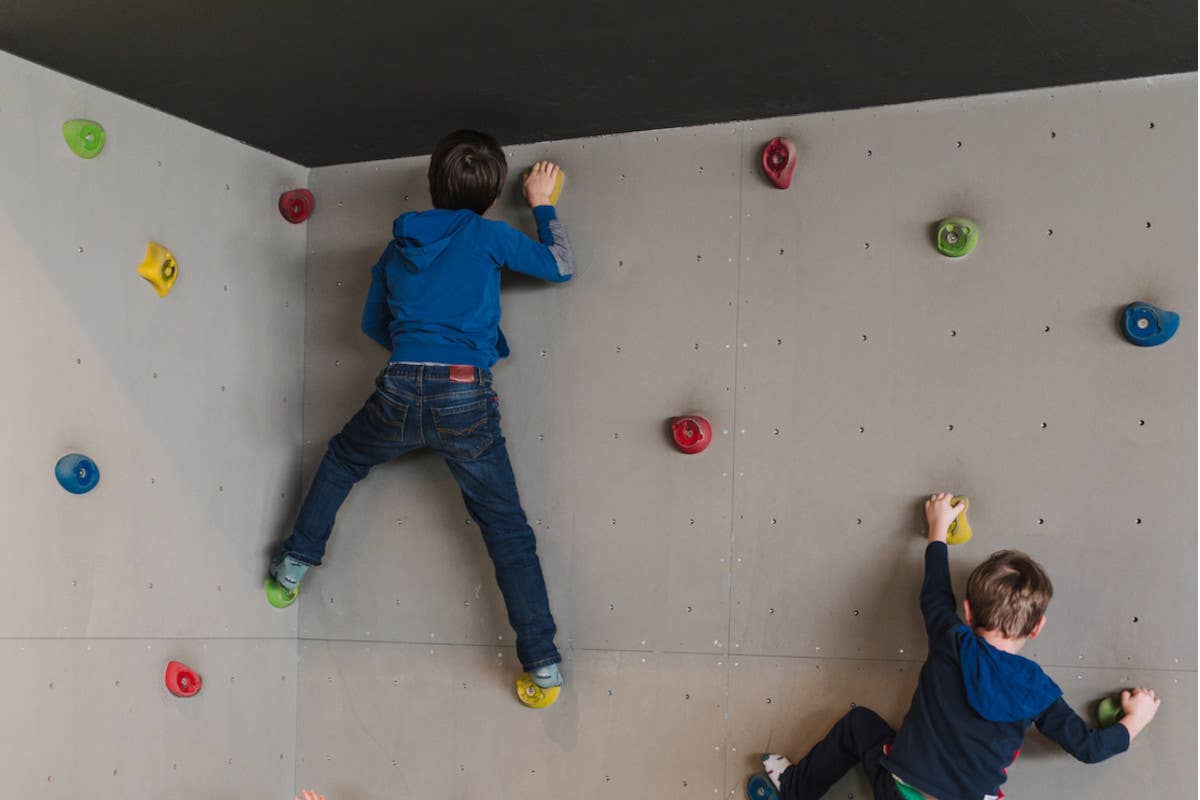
[387, 417]
[463, 430]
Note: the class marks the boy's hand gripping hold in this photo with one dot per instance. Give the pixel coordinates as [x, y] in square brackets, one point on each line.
[939, 513]
[539, 184]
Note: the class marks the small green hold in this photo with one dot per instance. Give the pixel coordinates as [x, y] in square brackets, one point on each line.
[1108, 712]
[279, 596]
[956, 236]
[84, 137]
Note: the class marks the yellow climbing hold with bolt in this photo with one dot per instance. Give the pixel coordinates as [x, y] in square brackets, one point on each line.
[159, 268]
[533, 695]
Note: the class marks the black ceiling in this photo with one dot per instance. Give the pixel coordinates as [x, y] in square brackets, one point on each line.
[328, 82]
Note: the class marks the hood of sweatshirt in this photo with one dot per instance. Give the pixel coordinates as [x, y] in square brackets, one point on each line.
[1002, 687]
[422, 236]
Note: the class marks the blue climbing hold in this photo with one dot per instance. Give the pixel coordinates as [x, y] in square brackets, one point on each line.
[759, 787]
[77, 473]
[1146, 325]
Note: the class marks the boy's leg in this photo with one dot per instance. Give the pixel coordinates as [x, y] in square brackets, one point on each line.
[377, 433]
[857, 737]
[489, 490]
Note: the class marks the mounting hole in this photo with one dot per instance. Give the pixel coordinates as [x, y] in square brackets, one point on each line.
[958, 145]
[1046, 329]
[869, 152]
[1138, 521]
[949, 427]
[1151, 126]
[954, 333]
[1049, 231]
[1053, 135]
[1043, 426]
[1135, 619]
[1041, 521]
[1147, 223]
[1141, 422]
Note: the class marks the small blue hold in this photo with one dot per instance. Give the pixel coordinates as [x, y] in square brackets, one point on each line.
[77, 473]
[1146, 325]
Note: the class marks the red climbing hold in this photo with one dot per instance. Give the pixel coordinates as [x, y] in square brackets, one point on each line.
[779, 161]
[182, 680]
[296, 205]
[692, 433]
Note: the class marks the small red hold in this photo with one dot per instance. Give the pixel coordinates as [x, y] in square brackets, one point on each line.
[182, 680]
[692, 433]
[779, 161]
[296, 205]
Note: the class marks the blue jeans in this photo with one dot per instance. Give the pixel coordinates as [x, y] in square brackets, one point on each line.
[417, 406]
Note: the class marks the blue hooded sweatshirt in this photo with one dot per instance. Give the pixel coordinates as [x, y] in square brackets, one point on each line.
[435, 291]
[974, 703]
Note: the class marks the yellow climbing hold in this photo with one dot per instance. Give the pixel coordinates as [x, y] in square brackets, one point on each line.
[558, 187]
[533, 695]
[960, 529]
[159, 268]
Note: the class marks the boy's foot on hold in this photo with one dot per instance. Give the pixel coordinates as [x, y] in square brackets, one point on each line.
[775, 765]
[283, 585]
[539, 687]
[547, 676]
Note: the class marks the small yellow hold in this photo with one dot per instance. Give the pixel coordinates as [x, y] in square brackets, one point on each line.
[533, 695]
[159, 268]
[960, 529]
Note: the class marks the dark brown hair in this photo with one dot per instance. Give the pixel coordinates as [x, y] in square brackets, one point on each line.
[1009, 593]
[467, 170]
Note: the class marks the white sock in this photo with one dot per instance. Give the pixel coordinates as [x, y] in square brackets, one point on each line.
[775, 765]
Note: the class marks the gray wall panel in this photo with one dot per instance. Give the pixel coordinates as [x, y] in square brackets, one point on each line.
[643, 332]
[190, 404]
[92, 718]
[394, 720]
[896, 340]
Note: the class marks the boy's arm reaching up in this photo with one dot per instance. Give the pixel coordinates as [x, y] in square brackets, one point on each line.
[549, 258]
[377, 315]
[937, 594]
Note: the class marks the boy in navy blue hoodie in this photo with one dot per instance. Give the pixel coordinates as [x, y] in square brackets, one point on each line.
[434, 303]
[975, 698]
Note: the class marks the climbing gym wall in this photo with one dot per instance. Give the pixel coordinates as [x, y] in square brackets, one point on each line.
[189, 404]
[712, 606]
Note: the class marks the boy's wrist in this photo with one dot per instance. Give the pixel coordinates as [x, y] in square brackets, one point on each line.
[938, 534]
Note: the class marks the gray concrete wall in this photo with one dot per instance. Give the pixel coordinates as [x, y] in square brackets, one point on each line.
[711, 607]
[191, 406]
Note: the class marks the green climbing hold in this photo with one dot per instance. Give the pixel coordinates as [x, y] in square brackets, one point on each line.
[956, 236]
[1108, 712]
[279, 596]
[84, 137]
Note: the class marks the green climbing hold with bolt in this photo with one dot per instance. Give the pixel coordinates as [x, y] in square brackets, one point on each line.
[956, 236]
[84, 137]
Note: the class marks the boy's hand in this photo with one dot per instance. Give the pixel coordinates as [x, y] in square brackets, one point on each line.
[539, 183]
[1140, 705]
[939, 514]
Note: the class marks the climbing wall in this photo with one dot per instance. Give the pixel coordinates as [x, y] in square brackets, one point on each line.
[190, 404]
[713, 606]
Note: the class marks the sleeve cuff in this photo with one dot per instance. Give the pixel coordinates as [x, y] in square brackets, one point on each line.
[544, 213]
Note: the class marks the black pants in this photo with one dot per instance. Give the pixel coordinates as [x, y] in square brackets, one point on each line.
[858, 737]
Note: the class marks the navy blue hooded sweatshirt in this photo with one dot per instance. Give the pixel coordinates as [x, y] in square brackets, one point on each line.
[974, 703]
[435, 291]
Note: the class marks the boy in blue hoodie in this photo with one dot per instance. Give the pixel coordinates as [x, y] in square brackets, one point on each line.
[434, 303]
[975, 698]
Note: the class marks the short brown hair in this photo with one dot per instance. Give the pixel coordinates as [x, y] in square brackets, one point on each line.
[467, 170]
[1009, 593]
